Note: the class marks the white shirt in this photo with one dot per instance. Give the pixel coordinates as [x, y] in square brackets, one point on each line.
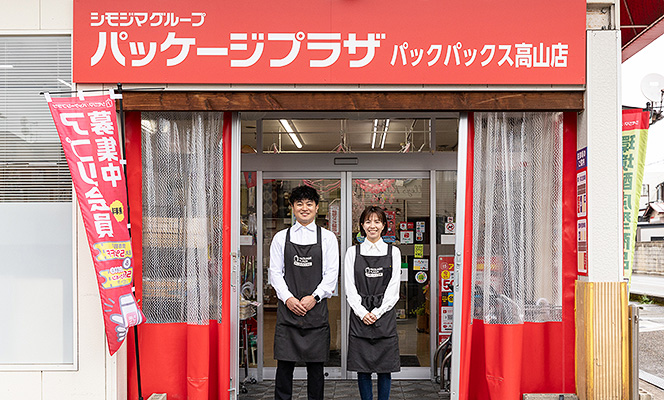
[305, 235]
[391, 292]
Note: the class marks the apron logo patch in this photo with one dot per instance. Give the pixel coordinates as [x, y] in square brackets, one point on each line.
[302, 261]
[373, 272]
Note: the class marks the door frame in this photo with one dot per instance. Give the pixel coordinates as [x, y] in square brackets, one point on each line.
[281, 166]
[459, 253]
[346, 178]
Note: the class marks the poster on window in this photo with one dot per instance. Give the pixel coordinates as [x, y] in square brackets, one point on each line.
[407, 237]
[446, 296]
[88, 131]
[390, 235]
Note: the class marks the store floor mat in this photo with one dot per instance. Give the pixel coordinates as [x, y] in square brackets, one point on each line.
[346, 390]
[409, 360]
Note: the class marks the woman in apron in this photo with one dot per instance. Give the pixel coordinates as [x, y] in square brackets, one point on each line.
[371, 274]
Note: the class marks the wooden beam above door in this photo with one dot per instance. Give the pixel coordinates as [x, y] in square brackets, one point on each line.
[354, 101]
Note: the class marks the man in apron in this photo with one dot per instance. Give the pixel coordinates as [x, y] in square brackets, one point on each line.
[304, 265]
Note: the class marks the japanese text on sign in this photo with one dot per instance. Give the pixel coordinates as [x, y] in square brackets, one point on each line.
[634, 141]
[245, 49]
[105, 154]
[328, 42]
[88, 132]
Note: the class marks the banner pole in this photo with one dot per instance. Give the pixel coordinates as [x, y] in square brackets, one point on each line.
[122, 141]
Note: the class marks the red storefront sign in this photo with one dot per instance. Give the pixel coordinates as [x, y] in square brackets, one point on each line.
[330, 42]
[88, 131]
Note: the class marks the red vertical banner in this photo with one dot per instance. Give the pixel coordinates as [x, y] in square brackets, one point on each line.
[88, 131]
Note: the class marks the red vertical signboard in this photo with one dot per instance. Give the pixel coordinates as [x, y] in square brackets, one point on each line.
[582, 211]
[88, 131]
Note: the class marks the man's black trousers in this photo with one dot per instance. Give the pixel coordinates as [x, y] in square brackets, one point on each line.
[283, 389]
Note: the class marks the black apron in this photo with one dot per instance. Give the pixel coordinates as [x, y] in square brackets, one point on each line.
[375, 347]
[304, 338]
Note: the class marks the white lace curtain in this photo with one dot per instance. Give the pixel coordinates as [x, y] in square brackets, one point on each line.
[182, 209]
[517, 217]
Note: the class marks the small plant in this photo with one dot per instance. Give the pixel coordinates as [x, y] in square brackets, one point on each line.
[644, 299]
[421, 310]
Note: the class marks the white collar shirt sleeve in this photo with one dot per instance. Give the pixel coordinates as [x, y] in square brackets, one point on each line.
[328, 284]
[276, 271]
[352, 296]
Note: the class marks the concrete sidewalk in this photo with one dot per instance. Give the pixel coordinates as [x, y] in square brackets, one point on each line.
[651, 334]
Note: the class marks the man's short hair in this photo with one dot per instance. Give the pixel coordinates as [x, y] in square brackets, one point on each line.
[304, 193]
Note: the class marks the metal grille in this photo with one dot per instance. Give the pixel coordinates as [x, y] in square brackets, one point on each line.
[517, 217]
[182, 224]
[33, 167]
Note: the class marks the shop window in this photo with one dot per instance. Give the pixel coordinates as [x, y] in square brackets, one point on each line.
[36, 239]
[446, 182]
[248, 135]
[446, 134]
[372, 134]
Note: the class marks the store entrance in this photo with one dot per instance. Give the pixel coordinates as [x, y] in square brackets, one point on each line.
[417, 190]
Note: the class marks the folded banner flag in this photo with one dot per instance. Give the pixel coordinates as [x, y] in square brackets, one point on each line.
[88, 130]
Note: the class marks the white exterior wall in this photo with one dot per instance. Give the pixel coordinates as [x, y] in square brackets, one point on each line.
[599, 129]
[100, 376]
[31, 15]
[97, 375]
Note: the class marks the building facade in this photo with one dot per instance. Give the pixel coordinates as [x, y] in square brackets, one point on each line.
[439, 169]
